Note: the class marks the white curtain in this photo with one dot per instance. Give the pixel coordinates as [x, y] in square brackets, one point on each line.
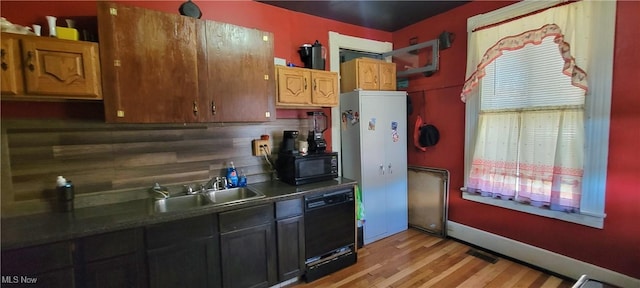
[531, 154]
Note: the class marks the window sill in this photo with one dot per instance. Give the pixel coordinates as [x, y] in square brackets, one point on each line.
[591, 221]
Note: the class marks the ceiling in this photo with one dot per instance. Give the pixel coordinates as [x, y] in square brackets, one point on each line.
[381, 15]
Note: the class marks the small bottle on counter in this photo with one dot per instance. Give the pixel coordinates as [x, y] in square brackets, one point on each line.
[242, 179]
[65, 194]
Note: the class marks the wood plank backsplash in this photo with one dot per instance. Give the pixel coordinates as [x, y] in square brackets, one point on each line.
[118, 162]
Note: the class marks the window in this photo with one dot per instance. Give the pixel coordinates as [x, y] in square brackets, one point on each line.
[533, 143]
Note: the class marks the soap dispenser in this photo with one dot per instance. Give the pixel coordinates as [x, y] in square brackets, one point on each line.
[65, 194]
[232, 175]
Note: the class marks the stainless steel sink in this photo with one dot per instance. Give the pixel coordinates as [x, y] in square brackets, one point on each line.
[206, 198]
[180, 203]
[232, 195]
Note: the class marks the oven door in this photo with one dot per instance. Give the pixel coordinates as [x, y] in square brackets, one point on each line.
[329, 223]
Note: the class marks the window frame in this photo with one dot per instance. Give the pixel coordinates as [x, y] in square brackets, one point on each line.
[597, 114]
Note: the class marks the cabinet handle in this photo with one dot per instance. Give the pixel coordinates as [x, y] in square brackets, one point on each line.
[381, 169]
[195, 108]
[305, 83]
[4, 64]
[30, 60]
[389, 168]
[315, 84]
[213, 107]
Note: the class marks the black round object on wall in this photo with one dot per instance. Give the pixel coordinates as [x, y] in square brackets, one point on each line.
[190, 9]
[429, 135]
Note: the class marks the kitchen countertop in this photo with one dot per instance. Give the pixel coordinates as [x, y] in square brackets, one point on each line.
[30, 230]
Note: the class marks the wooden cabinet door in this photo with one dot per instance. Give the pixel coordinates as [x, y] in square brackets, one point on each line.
[50, 265]
[240, 86]
[324, 88]
[249, 257]
[61, 68]
[11, 68]
[119, 272]
[114, 259]
[184, 253]
[290, 247]
[149, 63]
[186, 264]
[294, 86]
[368, 74]
[388, 76]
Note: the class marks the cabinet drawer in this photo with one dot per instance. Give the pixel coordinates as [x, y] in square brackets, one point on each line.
[176, 232]
[111, 244]
[37, 259]
[289, 208]
[246, 217]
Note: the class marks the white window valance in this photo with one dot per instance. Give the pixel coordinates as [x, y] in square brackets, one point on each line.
[562, 23]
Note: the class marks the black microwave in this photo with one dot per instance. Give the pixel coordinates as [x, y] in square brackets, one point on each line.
[297, 169]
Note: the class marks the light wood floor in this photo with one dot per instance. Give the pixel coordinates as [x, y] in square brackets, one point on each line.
[415, 259]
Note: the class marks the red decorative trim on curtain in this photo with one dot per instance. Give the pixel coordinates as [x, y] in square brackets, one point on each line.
[511, 43]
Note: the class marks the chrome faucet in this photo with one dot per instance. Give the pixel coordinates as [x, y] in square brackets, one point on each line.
[161, 192]
[218, 183]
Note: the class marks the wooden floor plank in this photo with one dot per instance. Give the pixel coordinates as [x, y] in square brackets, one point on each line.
[415, 259]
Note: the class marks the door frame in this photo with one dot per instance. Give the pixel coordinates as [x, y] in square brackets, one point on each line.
[337, 41]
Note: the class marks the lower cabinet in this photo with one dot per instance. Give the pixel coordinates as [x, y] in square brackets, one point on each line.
[248, 247]
[49, 265]
[184, 253]
[122, 271]
[290, 236]
[105, 260]
[113, 260]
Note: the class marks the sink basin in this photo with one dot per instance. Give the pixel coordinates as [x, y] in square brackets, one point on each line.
[232, 195]
[206, 198]
[180, 203]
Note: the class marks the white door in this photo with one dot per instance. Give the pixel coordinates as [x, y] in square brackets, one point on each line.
[396, 161]
[374, 195]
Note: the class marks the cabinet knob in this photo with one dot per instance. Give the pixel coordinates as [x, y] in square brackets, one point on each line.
[4, 64]
[213, 108]
[195, 108]
[30, 61]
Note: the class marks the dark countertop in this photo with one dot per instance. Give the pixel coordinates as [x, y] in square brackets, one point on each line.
[44, 228]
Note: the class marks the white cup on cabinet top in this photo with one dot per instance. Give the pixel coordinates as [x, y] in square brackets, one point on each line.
[37, 29]
[51, 20]
[70, 23]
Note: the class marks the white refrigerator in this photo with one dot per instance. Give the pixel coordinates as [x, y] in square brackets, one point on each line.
[374, 153]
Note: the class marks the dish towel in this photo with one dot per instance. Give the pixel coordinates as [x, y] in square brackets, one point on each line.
[359, 206]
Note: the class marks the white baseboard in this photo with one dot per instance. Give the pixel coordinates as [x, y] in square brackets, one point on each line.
[544, 259]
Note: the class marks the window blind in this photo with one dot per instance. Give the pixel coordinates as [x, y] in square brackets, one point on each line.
[530, 77]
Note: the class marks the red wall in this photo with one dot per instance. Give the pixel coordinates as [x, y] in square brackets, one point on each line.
[617, 246]
[290, 29]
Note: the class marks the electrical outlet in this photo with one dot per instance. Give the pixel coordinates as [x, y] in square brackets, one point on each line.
[259, 147]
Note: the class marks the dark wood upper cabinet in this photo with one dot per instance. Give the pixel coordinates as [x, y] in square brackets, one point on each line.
[167, 68]
[240, 77]
[150, 65]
